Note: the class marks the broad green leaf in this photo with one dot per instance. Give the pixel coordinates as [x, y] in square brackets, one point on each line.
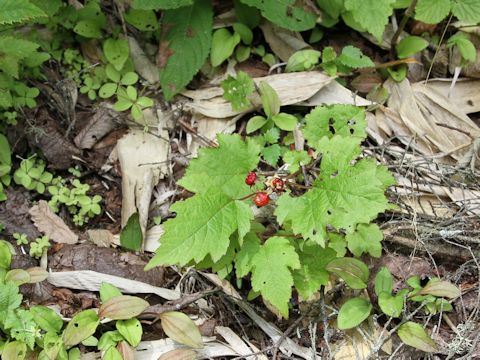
[144, 101]
[108, 291]
[244, 31]
[467, 11]
[223, 45]
[184, 45]
[88, 29]
[371, 14]
[122, 307]
[53, 346]
[5, 155]
[17, 48]
[46, 318]
[285, 121]
[181, 328]
[415, 335]
[303, 60]
[108, 339]
[465, 46]
[353, 271]
[345, 120]
[410, 46]
[131, 330]
[82, 325]
[247, 15]
[224, 167]
[255, 123]
[270, 100]
[203, 226]
[383, 281]
[285, 14]
[15, 11]
[242, 53]
[353, 312]
[10, 299]
[353, 57]
[244, 258]
[365, 239]
[275, 282]
[271, 154]
[294, 159]
[143, 20]
[440, 288]
[129, 78]
[399, 73]
[391, 305]
[312, 272]
[112, 354]
[432, 11]
[131, 236]
[160, 4]
[5, 255]
[17, 276]
[14, 350]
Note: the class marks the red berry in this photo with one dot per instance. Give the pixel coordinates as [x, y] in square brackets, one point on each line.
[261, 199]
[278, 184]
[250, 179]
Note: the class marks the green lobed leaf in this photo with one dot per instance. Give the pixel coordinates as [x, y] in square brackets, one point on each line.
[353, 271]
[353, 57]
[131, 236]
[15, 11]
[237, 90]
[244, 258]
[353, 312]
[203, 226]
[415, 335]
[271, 154]
[344, 120]
[184, 45]
[467, 11]
[224, 167]
[371, 14]
[410, 45]
[275, 282]
[160, 4]
[284, 13]
[432, 11]
[365, 239]
[312, 272]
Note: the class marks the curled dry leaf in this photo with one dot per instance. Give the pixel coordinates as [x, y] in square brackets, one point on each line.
[101, 123]
[181, 328]
[440, 289]
[126, 351]
[283, 42]
[122, 307]
[179, 354]
[51, 225]
[37, 274]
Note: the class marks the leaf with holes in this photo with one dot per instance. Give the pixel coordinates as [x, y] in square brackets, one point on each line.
[82, 325]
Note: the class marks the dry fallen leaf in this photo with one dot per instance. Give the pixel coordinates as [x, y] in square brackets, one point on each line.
[51, 225]
[101, 123]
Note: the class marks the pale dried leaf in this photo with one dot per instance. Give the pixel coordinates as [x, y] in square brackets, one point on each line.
[51, 225]
[101, 123]
[335, 93]
[143, 66]
[207, 129]
[292, 88]
[283, 42]
[100, 237]
[233, 340]
[179, 354]
[92, 280]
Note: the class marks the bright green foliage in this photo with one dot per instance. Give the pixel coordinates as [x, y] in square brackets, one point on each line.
[223, 167]
[284, 13]
[352, 57]
[5, 255]
[203, 226]
[12, 51]
[116, 51]
[5, 165]
[353, 312]
[127, 98]
[371, 14]
[17, 11]
[432, 11]
[294, 159]
[131, 330]
[467, 10]
[32, 175]
[410, 46]
[160, 4]
[383, 281]
[223, 45]
[82, 326]
[353, 271]
[185, 46]
[131, 236]
[414, 335]
[312, 272]
[465, 46]
[275, 282]
[143, 20]
[20, 238]
[39, 246]
[365, 239]
[303, 60]
[237, 90]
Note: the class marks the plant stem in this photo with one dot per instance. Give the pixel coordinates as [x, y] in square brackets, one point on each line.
[406, 16]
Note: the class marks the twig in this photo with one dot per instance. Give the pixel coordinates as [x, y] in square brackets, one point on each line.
[408, 13]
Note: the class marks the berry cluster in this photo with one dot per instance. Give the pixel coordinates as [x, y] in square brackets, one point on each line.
[262, 197]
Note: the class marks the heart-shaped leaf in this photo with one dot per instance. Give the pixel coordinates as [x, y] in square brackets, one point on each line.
[223, 45]
[116, 52]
